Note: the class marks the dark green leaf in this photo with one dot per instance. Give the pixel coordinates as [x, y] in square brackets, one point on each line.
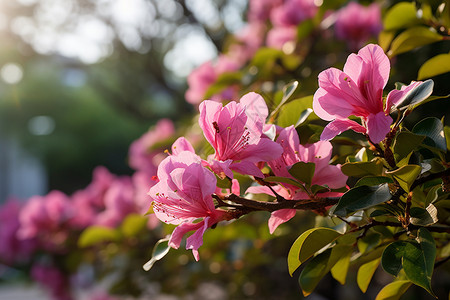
[433, 129]
[437, 65]
[405, 143]
[362, 197]
[309, 243]
[394, 290]
[423, 217]
[373, 180]
[358, 169]
[418, 95]
[303, 172]
[314, 271]
[391, 260]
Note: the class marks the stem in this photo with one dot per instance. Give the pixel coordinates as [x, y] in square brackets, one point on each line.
[422, 179]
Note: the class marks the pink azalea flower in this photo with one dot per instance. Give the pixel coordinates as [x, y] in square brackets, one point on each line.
[356, 23]
[141, 158]
[325, 174]
[358, 91]
[259, 10]
[293, 12]
[183, 196]
[236, 133]
[204, 76]
[278, 36]
[53, 279]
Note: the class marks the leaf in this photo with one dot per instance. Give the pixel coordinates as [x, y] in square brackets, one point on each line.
[133, 224]
[394, 290]
[405, 143]
[400, 15]
[358, 169]
[307, 244]
[365, 274]
[277, 179]
[412, 38]
[418, 95]
[314, 271]
[362, 197]
[433, 129]
[373, 180]
[391, 259]
[97, 234]
[296, 112]
[424, 217]
[303, 171]
[340, 269]
[288, 90]
[385, 38]
[224, 81]
[160, 250]
[406, 175]
[437, 65]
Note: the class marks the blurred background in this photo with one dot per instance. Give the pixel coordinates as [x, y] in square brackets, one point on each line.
[80, 80]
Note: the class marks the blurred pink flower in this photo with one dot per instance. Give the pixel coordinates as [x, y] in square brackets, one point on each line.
[293, 12]
[204, 76]
[13, 249]
[183, 196]
[358, 91]
[235, 132]
[141, 157]
[248, 41]
[53, 279]
[259, 10]
[356, 23]
[278, 36]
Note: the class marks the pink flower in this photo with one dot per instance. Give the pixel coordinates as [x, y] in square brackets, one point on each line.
[259, 10]
[141, 157]
[278, 36]
[183, 196]
[325, 174]
[358, 91]
[293, 12]
[356, 23]
[53, 279]
[235, 132]
[204, 76]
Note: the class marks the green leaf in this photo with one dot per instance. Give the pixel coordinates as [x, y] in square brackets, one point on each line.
[314, 271]
[394, 290]
[307, 244]
[362, 197]
[287, 92]
[406, 175]
[418, 95]
[400, 15]
[424, 217]
[391, 260]
[365, 274]
[223, 183]
[133, 225]
[296, 112]
[412, 38]
[385, 38]
[437, 65]
[223, 81]
[160, 250]
[433, 129]
[373, 180]
[405, 143]
[343, 254]
[303, 171]
[358, 169]
[97, 234]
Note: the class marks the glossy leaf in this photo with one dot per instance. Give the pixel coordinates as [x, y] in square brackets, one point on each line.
[303, 171]
[400, 15]
[296, 112]
[288, 90]
[406, 175]
[424, 217]
[160, 250]
[314, 271]
[412, 38]
[404, 143]
[365, 274]
[308, 244]
[362, 197]
[358, 169]
[373, 180]
[394, 290]
[97, 234]
[433, 129]
[391, 260]
[437, 65]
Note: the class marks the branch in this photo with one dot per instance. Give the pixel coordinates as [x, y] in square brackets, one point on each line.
[424, 178]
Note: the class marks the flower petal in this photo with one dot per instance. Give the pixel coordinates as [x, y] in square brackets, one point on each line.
[279, 217]
[378, 126]
[338, 126]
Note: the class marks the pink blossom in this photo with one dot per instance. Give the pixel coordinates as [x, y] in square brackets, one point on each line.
[46, 218]
[259, 10]
[278, 36]
[142, 182]
[235, 132]
[358, 91]
[141, 157]
[248, 42]
[356, 23]
[293, 12]
[53, 279]
[204, 76]
[325, 174]
[13, 249]
[183, 196]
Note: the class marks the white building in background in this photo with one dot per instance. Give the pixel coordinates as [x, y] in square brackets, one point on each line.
[21, 174]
